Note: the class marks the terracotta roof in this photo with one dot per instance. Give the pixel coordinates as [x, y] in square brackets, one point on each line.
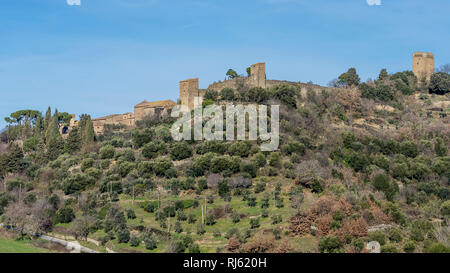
[163, 103]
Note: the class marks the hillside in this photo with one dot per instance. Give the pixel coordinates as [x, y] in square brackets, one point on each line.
[357, 162]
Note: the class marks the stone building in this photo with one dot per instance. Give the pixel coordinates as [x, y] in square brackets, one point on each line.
[189, 89]
[128, 120]
[159, 108]
[423, 65]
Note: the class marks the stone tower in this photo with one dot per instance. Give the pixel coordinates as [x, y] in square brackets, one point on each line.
[258, 75]
[423, 65]
[189, 90]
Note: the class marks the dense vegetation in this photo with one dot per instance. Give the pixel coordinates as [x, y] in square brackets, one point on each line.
[358, 162]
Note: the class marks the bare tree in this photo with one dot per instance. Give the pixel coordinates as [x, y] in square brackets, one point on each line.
[444, 68]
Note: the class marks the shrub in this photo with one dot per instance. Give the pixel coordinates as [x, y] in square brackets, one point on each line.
[286, 94]
[123, 235]
[254, 223]
[330, 244]
[395, 235]
[377, 236]
[409, 247]
[64, 215]
[358, 244]
[389, 248]
[107, 152]
[180, 150]
[445, 208]
[131, 214]
[440, 83]
[150, 242]
[161, 165]
[437, 248]
[134, 241]
[409, 149]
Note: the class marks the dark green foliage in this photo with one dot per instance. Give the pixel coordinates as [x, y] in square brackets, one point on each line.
[135, 241]
[330, 244]
[254, 223]
[440, 83]
[350, 78]
[64, 215]
[142, 137]
[77, 183]
[257, 94]
[286, 94]
[131, 214]
[440, 147]
[123, 235]
[228, 94]
[389, 248]
[382, 183]
[409, 149]
[107, 152]
[180, 150]
[378, 236]
[161, 165]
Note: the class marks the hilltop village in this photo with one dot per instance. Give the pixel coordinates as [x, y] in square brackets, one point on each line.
[423, 68]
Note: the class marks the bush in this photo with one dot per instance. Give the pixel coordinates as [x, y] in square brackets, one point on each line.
[286, 94]
[123, 235]
[134, 241]
[150, 242]
[395, 235]
[409, 149]
[389, 248]
[180, 150]
[377, 236]
[437, 248]
[382, 183]
[64, 215]
[254, 223]
[445, 208]
[330, 244]
[440, 83]
[131, 214]
[107, 152]
[161, 165]
[409, 247]
[358, 244]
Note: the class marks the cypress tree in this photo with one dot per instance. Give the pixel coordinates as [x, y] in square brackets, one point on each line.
[73, 141]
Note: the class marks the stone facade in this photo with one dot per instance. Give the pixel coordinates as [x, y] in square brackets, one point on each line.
[423, 65]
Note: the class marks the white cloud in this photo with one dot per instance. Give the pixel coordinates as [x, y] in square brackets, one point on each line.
[74, 2]
[374, 2]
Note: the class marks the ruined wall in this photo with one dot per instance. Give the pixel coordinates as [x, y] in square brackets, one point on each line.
[423, 65]
[189, 90]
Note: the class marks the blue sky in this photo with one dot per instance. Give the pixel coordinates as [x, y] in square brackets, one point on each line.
[105, 56]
